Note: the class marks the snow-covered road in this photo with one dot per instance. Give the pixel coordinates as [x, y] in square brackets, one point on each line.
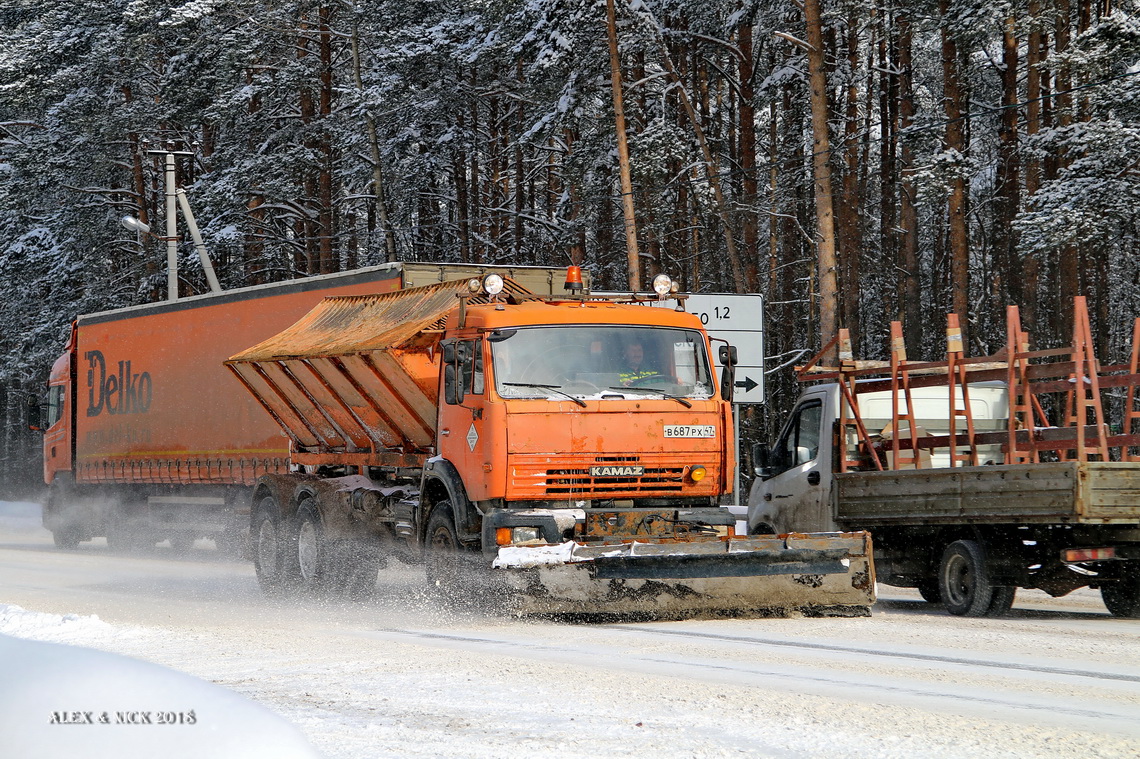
[399, 676]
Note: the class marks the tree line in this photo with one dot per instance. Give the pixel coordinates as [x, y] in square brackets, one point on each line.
[972, 153]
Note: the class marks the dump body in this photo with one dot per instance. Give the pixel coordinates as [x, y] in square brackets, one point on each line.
[559, 478]
[147, 426]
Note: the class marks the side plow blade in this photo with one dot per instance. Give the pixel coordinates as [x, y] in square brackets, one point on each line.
[819, 574]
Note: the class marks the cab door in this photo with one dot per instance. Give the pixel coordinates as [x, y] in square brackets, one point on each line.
[794, 498]
[462, 420]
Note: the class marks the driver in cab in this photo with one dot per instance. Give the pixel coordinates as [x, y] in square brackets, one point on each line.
[633, 365]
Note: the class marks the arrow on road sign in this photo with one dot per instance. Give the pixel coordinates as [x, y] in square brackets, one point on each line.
[748, 384]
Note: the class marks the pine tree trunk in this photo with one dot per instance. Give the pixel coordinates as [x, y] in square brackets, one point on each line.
[849, 227]
[821, 149]
[749, 221]
[1007, 284]
[953, 99]
[910, 289]
[1035, 55]
[633, 261]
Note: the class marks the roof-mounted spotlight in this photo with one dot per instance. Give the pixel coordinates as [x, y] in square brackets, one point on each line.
[493, 284]
[663, 285]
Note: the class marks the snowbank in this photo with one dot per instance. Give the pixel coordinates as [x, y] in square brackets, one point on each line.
[60, 700]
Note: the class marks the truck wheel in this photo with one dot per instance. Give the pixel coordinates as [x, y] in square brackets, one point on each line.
[313, 559]
[442, 555]
[1001, 601]
[268, 547]
[1122, 598]
[928, 589]
[964, 580]
[66, 537]
[359, 573]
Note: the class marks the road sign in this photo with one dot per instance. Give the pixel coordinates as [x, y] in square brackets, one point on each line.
[739, 320]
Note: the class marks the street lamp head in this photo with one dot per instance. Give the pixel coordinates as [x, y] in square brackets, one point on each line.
[133, 224]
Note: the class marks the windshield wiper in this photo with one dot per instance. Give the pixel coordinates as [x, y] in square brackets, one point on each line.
[555, 388]
[664, 394]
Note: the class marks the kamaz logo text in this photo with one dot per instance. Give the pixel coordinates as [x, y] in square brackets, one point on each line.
[617, 471]
[121, 392]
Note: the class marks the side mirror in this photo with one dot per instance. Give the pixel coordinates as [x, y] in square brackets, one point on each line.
[762, 461]
[35, 417]
[728, 355]
[448, 347]
[727, 382]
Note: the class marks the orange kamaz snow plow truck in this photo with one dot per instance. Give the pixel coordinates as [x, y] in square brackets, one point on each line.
[556, 454]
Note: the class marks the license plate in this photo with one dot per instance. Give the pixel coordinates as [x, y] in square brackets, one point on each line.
[690, 430]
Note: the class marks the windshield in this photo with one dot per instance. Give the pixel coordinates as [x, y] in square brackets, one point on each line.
[600, 362]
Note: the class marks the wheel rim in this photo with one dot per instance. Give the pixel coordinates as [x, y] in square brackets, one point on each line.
[267, 548]
[308, 550]
[959, 580]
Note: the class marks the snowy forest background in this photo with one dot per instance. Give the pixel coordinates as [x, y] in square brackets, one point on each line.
[982, 152]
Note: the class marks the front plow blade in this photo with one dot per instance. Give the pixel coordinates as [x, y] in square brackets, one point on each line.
[820, 574]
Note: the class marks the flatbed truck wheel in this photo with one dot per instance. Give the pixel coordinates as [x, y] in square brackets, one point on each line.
[928, 589]
[1122, 598]
[1001, 601]
[964, 579]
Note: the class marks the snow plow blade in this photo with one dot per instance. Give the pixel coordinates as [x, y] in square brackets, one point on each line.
[813, 574]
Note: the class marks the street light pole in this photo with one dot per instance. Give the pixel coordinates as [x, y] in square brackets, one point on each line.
[171, 230]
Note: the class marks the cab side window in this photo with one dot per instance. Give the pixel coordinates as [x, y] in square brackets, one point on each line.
[800, 442]
[55, 404]
[472, 356]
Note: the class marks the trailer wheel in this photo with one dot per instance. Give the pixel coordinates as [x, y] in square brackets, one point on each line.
[268, 544]
[1122, 598]
[964, 579]
[442, 555]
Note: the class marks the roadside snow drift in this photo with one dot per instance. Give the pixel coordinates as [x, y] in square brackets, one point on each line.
[59, 700]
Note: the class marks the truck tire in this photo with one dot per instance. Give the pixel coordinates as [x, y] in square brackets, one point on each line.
[442, 560]
[964, 579]
[268, 544]
[928, 589]
[315, 575]
[1122, 598]
[66, 537]
[1001, 601]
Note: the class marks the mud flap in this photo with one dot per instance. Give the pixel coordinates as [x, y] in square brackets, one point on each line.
[810, 574]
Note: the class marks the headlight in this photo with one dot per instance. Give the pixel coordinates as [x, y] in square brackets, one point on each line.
[506, 536]
[492, 284]
[662, 284]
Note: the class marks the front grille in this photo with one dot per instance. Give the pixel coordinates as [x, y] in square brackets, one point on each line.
[568, 478]
[563, 482]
